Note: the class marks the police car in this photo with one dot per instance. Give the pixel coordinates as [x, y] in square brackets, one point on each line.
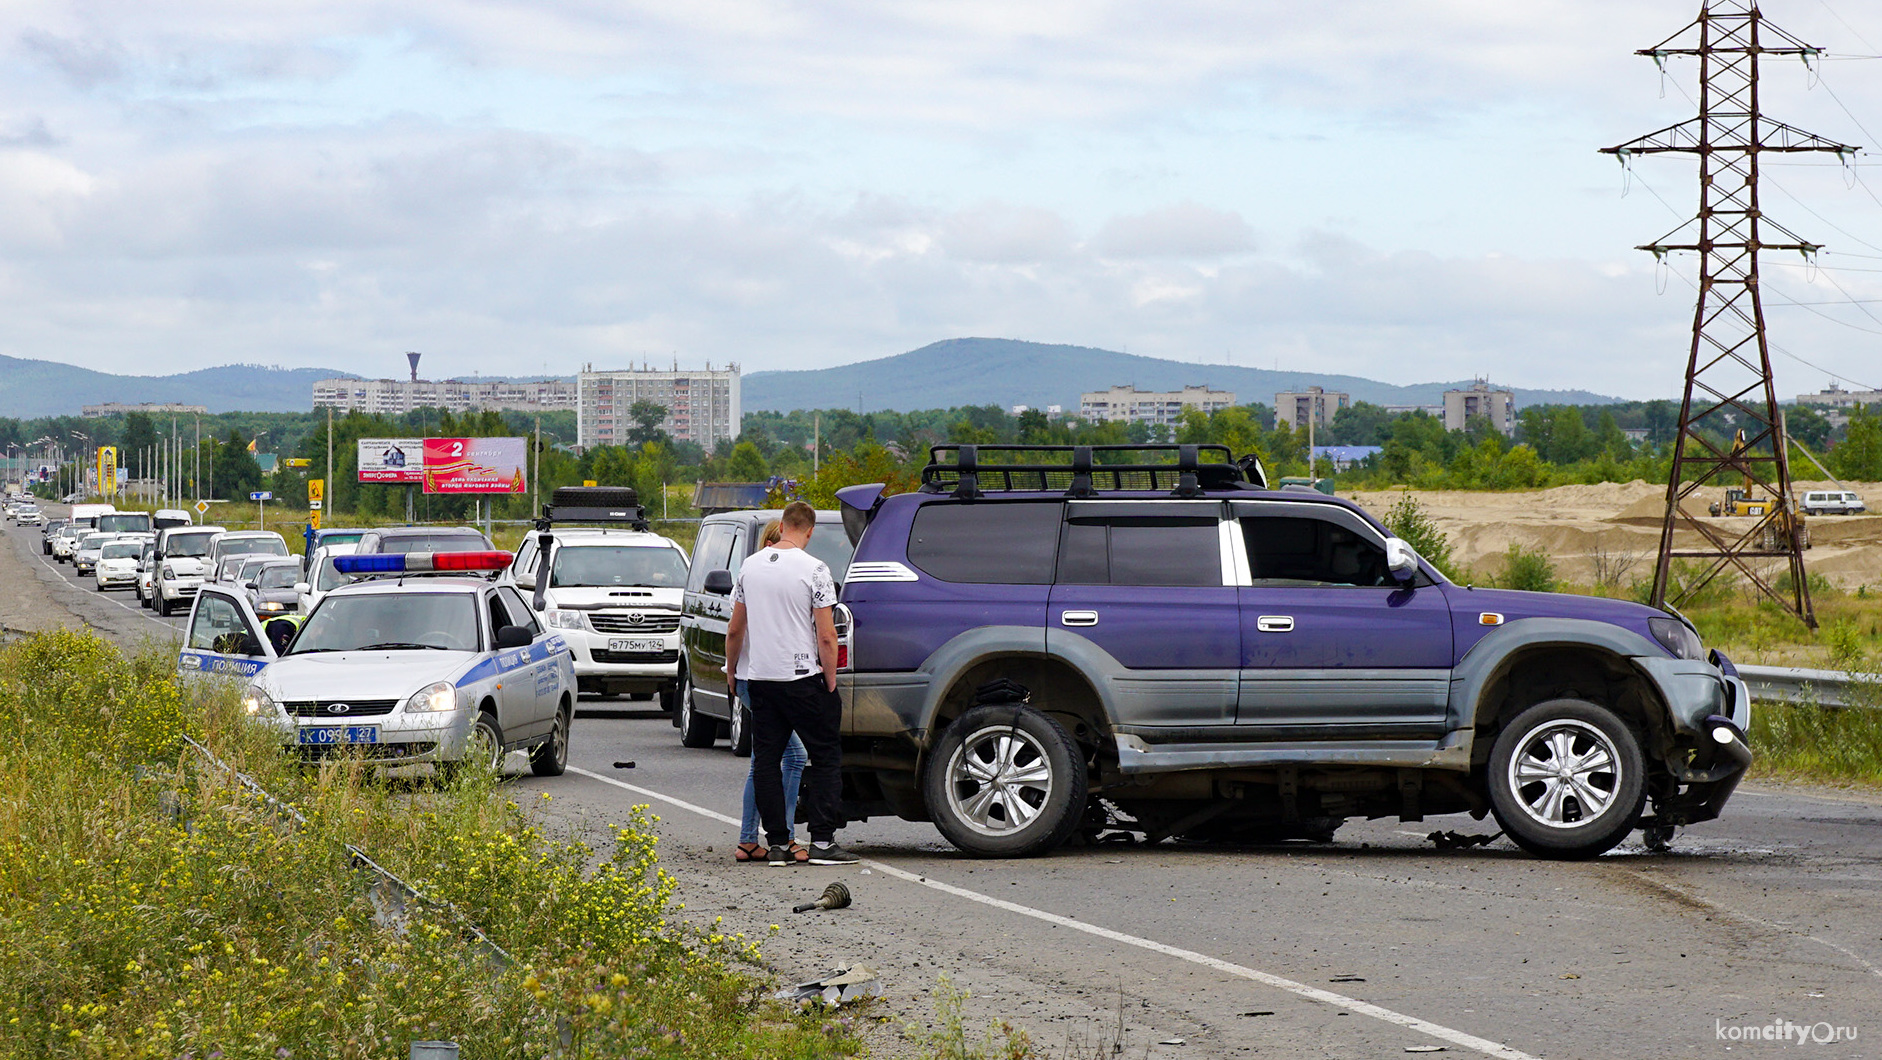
[446, 669]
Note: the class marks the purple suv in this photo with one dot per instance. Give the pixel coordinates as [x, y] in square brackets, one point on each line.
[1085, 643]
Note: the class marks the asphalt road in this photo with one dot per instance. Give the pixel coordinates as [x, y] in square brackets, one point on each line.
[1374, 945]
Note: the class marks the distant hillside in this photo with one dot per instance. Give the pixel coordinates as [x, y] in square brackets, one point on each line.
[1002, 372]
[1007, 372]
[30, 389]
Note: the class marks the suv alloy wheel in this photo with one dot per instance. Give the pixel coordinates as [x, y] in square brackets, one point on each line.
[1567, 779]
[1006, 781]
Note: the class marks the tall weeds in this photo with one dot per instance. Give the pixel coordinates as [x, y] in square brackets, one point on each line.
[152, 907]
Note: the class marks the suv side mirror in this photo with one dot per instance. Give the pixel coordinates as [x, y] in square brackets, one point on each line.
[719, 582]
[525, 579]
[1400, 559]
[513, 637]
[301, 588]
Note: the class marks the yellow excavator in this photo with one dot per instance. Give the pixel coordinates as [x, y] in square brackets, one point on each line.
[1740, 500]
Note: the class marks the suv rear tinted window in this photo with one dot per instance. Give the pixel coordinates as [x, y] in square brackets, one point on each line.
[1009, 544]
[1142, 551]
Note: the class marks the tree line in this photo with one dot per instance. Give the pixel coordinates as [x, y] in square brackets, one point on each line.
[815, 452]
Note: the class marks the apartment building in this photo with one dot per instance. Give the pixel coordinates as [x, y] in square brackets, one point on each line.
[1837, 403]
[702, 406]
[1316, 405]
[393, 397]
[1480, 399]
[1131, 404]
[149, 408]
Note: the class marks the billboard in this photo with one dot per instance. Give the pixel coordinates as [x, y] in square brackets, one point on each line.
[447, 465]
[392, 460]
[107, 469]
[476, 465]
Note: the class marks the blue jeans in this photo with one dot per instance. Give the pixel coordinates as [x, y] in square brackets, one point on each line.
[793, 762]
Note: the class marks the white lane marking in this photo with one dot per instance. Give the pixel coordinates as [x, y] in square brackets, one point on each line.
[138, 611]
[1312, 993]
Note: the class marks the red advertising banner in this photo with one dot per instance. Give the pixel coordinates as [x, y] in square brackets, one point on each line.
[476, 465]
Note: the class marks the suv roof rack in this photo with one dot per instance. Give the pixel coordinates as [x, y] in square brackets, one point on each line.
[1086, 470]
[596, 505]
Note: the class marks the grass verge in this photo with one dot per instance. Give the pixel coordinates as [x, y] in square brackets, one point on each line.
[1806, 742]
[150, 907]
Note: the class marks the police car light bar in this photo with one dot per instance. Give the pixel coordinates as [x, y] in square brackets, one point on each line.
[420, 562]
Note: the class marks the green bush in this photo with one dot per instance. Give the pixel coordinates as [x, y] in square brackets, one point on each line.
[1409, 521]
[1527, 569]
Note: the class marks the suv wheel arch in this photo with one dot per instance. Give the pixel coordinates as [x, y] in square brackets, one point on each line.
[1541, 672]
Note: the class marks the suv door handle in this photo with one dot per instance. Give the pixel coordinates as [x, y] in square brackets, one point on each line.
[1078, 618]
[1275, 623]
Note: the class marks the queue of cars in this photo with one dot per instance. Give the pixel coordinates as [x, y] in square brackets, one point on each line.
[423, 652]
[1029, 651]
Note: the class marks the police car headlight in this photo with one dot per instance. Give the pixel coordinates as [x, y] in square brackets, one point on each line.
[256, 701]
[439, 696]
[565, 620]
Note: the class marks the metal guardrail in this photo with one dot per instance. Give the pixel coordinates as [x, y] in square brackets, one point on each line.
[1825, 688]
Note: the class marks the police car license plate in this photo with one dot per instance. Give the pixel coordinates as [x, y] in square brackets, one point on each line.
[624, 644]
[334, 734]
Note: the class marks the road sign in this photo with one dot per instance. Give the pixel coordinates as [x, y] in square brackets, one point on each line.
[316, 490]
[313, 520]
[261, 495]
[202, 507]
[299, 462]
[313, 506]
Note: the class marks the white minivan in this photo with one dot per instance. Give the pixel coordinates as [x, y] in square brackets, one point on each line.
[182, 561]
[1832, 502]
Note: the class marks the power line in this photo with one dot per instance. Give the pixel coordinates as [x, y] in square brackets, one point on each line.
[1818, 216]
[1853, 31]
[1845, 107]
[1687, 280]
[1789, 301]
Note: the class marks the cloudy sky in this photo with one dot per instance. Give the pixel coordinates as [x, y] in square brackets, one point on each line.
[1402, 189]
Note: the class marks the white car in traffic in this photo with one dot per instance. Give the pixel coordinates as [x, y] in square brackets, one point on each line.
[322, 576]
[448, 669]
[616, 595]
[182, 564]
[116, 567]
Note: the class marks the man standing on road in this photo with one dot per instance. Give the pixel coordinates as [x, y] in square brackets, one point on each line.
[782, 643]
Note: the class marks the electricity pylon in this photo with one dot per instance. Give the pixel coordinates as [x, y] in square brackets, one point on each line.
[1728, 373]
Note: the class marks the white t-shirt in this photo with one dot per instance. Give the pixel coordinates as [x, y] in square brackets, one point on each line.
[780, 588]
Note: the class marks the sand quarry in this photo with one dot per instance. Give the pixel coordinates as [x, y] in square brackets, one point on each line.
[1617, 525]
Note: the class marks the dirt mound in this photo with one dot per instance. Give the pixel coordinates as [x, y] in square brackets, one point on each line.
[1610, 530]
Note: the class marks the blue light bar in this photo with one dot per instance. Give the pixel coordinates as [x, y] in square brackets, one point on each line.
[421, 562]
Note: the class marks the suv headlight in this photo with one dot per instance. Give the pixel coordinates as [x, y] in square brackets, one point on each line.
[439, 696]
[564, 619]
[1677, 637]
[256, 701]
